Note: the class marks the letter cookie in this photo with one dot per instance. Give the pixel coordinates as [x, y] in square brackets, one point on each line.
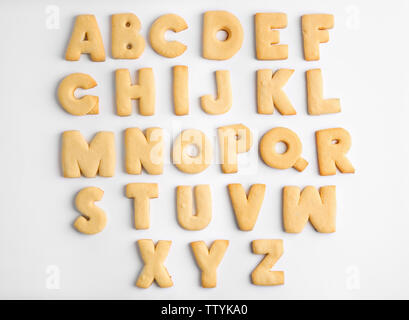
[85, 38]
[93, 219]
[246, 207]
[290, 158]
[141, 193]
[144, 91]
[169, 49]
[180, 90]
[224, 100]
[144, 150]
[184, 203]
[267, 39]
[209, 259]
[270, 93]
[314, 32]
[233, 139]
[316, 103]
[332, 146]
[78, 156]
[127, 42]
[154, 269]
[215, 49]
[77, 106]
[192, 163]
[318, 208]
[262, 274]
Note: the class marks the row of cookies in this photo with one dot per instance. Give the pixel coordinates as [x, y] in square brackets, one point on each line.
[145, 150]
[299, 207]
[270, 93]
[208, 260]
[128, 43]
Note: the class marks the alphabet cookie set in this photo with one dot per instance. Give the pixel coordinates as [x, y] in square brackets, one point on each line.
[144, 147]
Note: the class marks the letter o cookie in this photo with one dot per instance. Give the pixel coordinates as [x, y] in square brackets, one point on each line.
[192, 163]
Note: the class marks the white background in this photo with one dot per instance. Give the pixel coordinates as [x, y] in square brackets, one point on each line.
[365, 65]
